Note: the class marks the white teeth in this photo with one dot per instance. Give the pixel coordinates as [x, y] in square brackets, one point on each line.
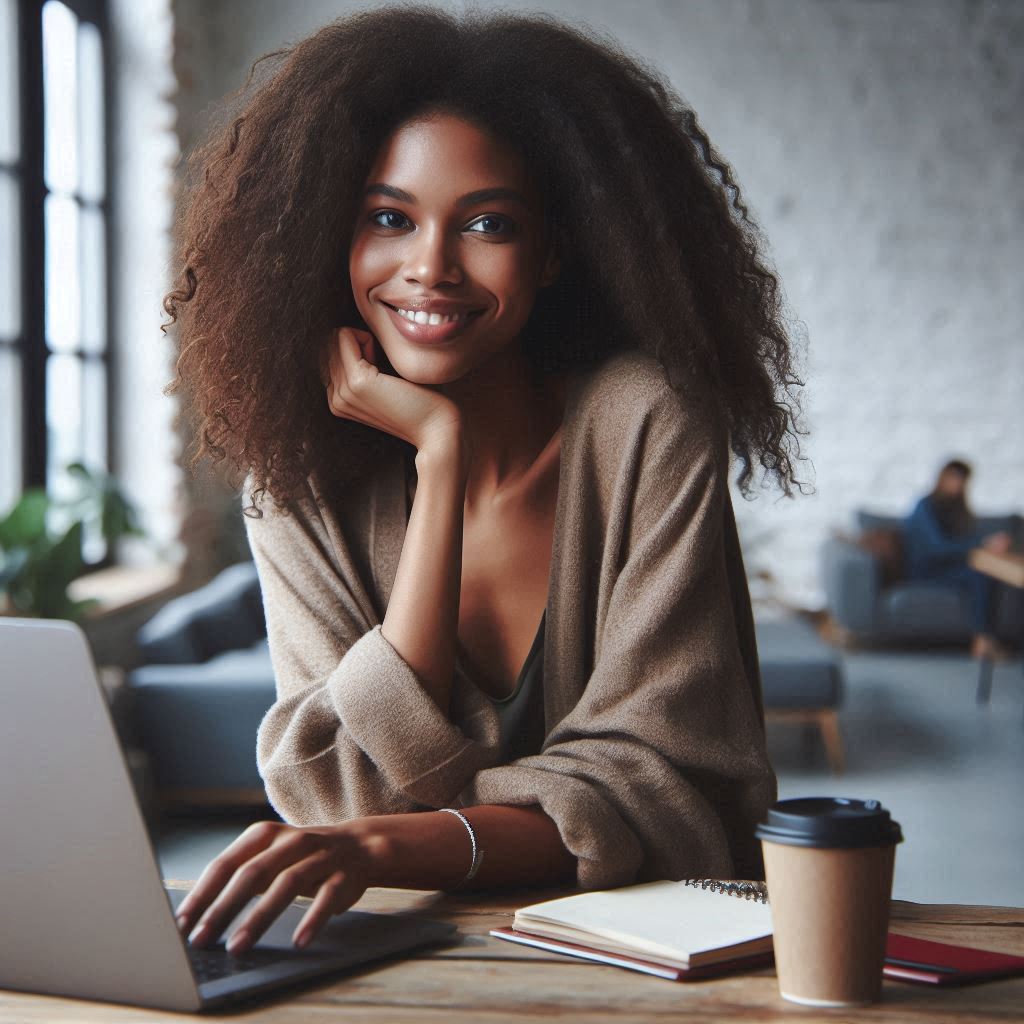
[422, 317]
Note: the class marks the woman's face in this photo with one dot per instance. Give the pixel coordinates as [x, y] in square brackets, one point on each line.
[449, 223]
[952, 484]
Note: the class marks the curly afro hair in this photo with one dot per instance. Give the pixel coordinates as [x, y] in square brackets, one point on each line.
[659, 252]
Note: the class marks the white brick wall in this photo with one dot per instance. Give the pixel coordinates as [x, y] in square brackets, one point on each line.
[144, 150]
[880, 145]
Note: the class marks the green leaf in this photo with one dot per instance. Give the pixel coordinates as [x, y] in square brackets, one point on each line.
[26, 522]
[112, 517]
[12, 563]
[35, 565]
[67, 552]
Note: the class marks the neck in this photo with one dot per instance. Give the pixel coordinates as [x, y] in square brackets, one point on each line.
[511, 419]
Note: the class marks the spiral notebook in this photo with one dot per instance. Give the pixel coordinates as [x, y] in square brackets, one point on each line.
[699, 928]
[677, 930]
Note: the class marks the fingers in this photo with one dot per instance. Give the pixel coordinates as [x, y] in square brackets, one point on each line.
[217, 873]
[294, 880]
[334, 893]
[368, 347]
[282, 862]
[253, 877]
[353, 392]
[360, 390]
[346, 357]
[355, 348]
[337, 893]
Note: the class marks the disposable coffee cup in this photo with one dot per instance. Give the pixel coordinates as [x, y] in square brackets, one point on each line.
[828, 866]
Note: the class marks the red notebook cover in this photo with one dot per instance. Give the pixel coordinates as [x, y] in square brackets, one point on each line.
[938, 963]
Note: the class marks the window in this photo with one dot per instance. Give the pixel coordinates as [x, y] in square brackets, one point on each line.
[54, 329]
[11, 257]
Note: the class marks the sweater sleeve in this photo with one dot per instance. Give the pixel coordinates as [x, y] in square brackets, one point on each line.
[660, 770]
[931, 545]
[352, 732]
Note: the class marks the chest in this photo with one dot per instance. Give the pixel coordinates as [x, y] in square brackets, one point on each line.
[506, 563]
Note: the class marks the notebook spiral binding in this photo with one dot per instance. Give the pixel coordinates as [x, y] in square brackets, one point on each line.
[757, 891]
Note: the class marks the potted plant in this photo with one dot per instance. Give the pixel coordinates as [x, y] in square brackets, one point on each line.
[41, 544]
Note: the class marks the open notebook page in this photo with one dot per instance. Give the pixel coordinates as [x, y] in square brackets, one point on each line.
[665, 919]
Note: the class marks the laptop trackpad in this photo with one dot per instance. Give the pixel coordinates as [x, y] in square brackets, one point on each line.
[354, 930]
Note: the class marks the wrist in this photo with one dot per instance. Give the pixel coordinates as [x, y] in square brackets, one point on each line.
[373, 849]
[415, 850]
[447, 453]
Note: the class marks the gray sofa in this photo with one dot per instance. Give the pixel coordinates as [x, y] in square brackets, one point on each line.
[869, 608]
[206, 684]
[208, 681]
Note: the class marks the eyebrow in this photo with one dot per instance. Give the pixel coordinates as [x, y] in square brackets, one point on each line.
[482, 195]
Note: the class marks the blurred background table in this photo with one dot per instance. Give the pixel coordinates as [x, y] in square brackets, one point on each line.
[1008, 568]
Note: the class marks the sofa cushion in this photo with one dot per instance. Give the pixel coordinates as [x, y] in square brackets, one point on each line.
[199, 722]
[878, 521]
[225, 613]
[867, 520]
[924, 608]
[798, 669]
[886, 545]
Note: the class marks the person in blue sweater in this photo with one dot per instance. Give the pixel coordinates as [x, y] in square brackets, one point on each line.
[939, 533]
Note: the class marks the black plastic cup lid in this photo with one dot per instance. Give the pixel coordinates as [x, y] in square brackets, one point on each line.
[829, 822]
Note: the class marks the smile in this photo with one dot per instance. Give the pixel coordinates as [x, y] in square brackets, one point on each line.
[424, 327]
[421, 317]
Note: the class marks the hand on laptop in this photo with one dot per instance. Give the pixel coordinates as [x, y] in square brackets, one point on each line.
[329, 863]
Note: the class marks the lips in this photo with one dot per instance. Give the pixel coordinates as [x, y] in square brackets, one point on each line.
[419, 307]
[413, 320]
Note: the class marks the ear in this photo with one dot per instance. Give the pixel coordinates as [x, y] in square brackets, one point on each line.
[552, 265]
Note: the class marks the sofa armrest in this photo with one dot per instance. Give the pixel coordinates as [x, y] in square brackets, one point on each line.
[852, 579]
[222, 615]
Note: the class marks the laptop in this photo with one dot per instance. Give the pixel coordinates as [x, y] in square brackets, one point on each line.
[83, 908]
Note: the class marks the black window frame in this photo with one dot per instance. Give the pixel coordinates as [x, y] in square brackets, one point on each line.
[31, 343]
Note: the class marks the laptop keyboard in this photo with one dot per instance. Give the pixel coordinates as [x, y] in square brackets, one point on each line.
[215, 962]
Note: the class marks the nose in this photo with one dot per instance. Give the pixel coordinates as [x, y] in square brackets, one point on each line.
[432, 258]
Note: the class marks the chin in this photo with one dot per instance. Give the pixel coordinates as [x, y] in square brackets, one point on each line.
[427, 367]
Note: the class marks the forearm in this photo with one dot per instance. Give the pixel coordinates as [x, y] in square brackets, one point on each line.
[422, 616]
[432, 849]
[938, 546]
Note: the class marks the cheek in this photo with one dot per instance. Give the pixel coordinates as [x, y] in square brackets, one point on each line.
[508, 272]
[369, 264]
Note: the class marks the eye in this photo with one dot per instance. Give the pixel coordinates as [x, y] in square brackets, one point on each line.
[491, 224]
[390, 217]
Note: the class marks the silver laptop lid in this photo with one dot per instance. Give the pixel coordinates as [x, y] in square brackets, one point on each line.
[83, 910]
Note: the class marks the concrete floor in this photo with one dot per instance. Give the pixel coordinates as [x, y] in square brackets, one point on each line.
[950, 772]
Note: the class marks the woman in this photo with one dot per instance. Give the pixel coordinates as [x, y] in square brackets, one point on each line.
[477, 304]
[938, 534]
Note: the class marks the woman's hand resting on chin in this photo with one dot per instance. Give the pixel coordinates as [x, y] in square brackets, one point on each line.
[358, 390]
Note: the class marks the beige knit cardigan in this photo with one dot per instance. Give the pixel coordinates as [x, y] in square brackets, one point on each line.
[654, 761]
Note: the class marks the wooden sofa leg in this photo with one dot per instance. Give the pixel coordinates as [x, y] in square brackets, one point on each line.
[985, 666]
[828, 723]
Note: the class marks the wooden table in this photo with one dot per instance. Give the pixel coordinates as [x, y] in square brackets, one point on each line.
[487, 980]
[1006, 567]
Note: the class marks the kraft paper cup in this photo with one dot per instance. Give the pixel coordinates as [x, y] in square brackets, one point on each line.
[829, 867]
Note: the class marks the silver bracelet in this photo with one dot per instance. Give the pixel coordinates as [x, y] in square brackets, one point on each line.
[478, 854]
